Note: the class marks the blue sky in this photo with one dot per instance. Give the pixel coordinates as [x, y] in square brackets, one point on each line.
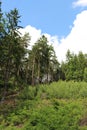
[64, 22]
[51, 16]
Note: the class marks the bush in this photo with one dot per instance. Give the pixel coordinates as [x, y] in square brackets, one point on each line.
[28, 93]
[58, 106]
[64, 118]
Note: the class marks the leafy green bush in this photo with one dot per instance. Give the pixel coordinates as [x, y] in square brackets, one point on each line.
[28, 93]
[65, 90]
[58, 106]
[64, 118]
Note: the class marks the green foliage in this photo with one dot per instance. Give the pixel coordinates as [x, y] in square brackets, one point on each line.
[68, 88]
[65, 90]
[75, 66]
[66, 117]
[28, 93]
[85, 74]
[12, 49]
[59, 105]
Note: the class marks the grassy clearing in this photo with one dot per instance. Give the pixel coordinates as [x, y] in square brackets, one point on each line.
[57, 106]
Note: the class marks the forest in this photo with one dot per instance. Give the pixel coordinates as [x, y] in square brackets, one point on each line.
[36, 91]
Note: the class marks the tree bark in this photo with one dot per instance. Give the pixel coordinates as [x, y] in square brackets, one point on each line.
[33, 66]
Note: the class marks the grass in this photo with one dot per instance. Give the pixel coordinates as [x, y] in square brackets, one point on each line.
[58, 106]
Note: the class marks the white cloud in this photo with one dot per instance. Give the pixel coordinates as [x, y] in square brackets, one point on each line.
[52, 40]
[76, 40]
[81, 3]
[33, 32]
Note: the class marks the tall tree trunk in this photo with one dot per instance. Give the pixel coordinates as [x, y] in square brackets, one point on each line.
[33, 66]
[38, 72]
[47, 72]
[6, 78]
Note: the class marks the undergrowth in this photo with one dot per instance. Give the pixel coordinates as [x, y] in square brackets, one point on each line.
[56, 106]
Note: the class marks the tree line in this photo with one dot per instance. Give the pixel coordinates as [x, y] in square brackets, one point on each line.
[20, 65]
[75, 67]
